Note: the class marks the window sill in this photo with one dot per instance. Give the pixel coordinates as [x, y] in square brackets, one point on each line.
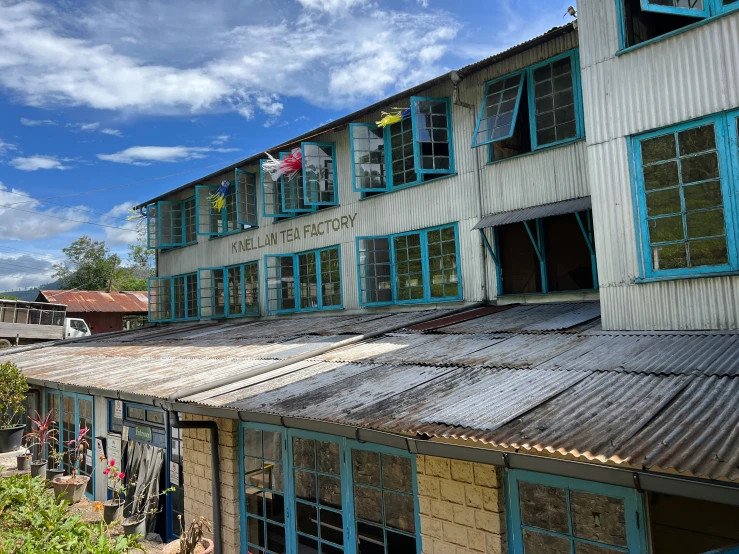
[659, 278]
[676, 32]
[170, 248]
[533, 152]
[379, 194]
[284, 218]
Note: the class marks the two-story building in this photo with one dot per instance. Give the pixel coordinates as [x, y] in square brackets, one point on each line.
[504, 322]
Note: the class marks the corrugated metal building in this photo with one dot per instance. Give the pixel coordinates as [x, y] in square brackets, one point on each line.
[102, 311]
[505, 321]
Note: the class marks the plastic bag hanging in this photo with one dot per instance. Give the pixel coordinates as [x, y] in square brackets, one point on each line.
[218, 198]
[388, 118]
[286, 167]
[136, 214]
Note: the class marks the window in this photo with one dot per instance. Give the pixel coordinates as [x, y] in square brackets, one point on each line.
[643, 20]
[685, 185]
[240, 209]
[304, 492]
[551, 254]
[537, 107]
[173, 298]
[305, 281]
[229, 291]
[421, 266]
[415, 149]
[171, 223]
[558, 514]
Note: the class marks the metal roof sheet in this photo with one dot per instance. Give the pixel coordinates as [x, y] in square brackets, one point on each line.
[535, 212]
[98, 301]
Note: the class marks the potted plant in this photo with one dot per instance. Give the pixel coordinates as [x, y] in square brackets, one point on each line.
[113, 508]
[42, 435]
[192, 541]
[54, 471]
[13, 389]
[135, 523]
[73, 485]
[24, 460]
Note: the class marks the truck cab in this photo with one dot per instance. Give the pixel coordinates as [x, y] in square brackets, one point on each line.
[74, 327]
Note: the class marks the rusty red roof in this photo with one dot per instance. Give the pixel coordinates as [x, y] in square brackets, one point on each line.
[98, 301]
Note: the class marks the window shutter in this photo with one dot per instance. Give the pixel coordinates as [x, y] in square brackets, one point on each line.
[369, 168]
[246, 198]
[319, 173]
[499, 110]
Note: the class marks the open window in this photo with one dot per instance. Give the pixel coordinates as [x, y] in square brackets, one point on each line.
[211, 221]
[185, 297]
[246, 198]
[319, 174]
[171, 223]
[538, 107]
[643, 20]
[160, 299]
[231, 291]
[415, 149]
[305, 281]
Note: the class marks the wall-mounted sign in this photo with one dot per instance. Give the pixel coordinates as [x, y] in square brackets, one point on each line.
[126, 432]
[115, 450]
[118, 409]
[143, 433]
[285, 236]
[174, 474]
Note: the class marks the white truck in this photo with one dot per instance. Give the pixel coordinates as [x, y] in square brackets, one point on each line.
[28, 322]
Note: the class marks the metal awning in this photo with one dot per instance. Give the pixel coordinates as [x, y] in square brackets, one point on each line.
[527, 214]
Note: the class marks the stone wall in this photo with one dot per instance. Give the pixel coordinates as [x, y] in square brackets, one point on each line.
[198, 481]
[462, 507]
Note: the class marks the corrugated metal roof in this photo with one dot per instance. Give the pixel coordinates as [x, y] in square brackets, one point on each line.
[98, 301]
[527, 214]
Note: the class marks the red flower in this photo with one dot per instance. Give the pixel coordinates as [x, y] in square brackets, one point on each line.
[106, 471]
[121, 475]
[112, 463]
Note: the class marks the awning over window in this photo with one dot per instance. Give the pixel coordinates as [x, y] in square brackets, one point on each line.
[527, 214]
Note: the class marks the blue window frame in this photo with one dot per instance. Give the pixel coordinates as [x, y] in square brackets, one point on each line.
[414, 267]
[229, 291]
[246, 198]
[212, 222]
[547, 513]
[74, 412]
[319, 174]
[305, 491]
[686, 180]
[415, 149]
[306, 281]
[537, 107]
[173, 298]
[152, 226]
[293, 199]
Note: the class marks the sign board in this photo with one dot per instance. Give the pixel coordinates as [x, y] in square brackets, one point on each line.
[126, 432]
[143, 433]
[99, 448]
[118, 409]
[88, 458]
[174, 474]
[115, 451]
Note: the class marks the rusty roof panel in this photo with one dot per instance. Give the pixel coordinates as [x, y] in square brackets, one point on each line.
[98, 301]
[457, 318]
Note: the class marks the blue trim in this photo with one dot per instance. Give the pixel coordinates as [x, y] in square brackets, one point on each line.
[416, 140]
[427, 299]
[725, 133]
[245, 220]
[648, 6]
[151, 241]
[296, 190]
[275, 195]
[487, 85]
[335, 171]
[635, 522]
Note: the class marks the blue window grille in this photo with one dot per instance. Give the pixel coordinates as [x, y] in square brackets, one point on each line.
[160, 299]
[173, 298]
[415, 267]
[547, 95]
[73, 413]
[416, 149]
[547, 513]
[246, 198]
[293, 197]
[152, 227]
[685, 189]
[306, 281]
[271, 194]
[304, 491]
[213, 222]
[230, 291]
[690, 8]
[171, 223]
[319, 174]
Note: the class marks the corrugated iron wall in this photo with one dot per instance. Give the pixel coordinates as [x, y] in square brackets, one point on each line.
[691, 74]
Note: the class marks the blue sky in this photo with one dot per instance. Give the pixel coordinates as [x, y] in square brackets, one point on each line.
[104, 93]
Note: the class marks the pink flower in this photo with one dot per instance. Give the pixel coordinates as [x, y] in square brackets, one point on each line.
[121, 475]
[106, 471]
[112, 463]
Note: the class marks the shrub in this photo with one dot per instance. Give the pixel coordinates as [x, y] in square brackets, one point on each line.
[13, 389]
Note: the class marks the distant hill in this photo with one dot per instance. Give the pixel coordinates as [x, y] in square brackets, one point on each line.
[29, 295]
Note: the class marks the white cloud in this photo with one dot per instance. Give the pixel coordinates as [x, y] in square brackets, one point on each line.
[221, 139]
[146, 155]
[112, 132]
[33, 163]
[88, 126]
[138, 56]
[36, 122]
[6, 147]
[24, 271]
[115, 237]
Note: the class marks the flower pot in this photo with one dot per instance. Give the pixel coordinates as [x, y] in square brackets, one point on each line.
[24, 462]
[38, 468]
[134, 525]
[206, 547]
[11, 438]
[112, 511]
[53, 472]
[72, 488]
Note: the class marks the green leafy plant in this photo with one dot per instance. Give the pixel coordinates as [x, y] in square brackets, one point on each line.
[56, 456]
[13, 389]
[44, 432]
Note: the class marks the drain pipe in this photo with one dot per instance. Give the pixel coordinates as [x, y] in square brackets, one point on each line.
[215, 466]
[456, 78]
[218, 383]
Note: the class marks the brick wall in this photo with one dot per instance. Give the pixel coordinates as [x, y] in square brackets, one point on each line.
[198, 482]
[462, 507]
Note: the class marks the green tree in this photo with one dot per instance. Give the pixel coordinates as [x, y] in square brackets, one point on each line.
[13, 389]
[89, 265]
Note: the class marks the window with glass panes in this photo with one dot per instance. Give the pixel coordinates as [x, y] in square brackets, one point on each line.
[160, 299]
[686, 179]
[185, 303]
[309, 493]
[368, 157]
[420, 266]
[402, 161]
[557, 514]
[231, 291]
[190, 217]
[212, 221]
[177, 496]
[313, 277]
